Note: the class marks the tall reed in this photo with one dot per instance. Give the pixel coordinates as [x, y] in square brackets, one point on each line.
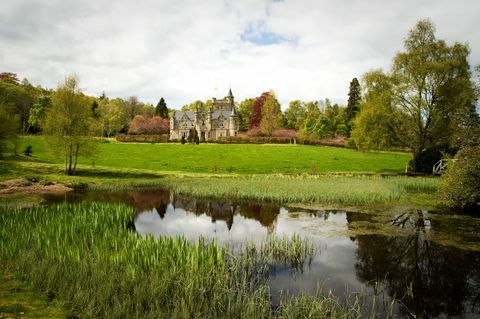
[89, 259]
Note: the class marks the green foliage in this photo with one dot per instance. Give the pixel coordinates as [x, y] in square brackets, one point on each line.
[69, 123]
[426, 97]
[161, 109]
[353, 105]
[372, 126]
[295, 115]
[244, 110]
[197, 105]
[38, 111]
[271, 113]
[8, 128]
[461, 189]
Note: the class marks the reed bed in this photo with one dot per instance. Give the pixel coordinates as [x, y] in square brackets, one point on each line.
[336, 190]
[292, 250]
[87, 258]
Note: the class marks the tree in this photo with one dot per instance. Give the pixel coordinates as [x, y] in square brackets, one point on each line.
[18, 95]
[271, 115]
[311, 117]
[8, 128]
[68, 124]
[132, 107]
[112, 116]
[244, 110]
[256, 113]
[38, 111]
[161, 109]
[431, 91]
[353, 105]
[371, 127]
[295, 115]
[197, 105]
[148, 126]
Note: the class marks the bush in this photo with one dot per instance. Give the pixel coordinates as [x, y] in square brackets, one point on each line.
[28, 150]
[461, 189]
[142, 138]
[428, 158]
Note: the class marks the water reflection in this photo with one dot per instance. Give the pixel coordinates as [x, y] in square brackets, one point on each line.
[432, 280]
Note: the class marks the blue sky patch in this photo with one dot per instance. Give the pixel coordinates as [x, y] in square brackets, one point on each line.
[254, 35]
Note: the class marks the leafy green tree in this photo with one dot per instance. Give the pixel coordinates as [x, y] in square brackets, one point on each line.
[244, 110]
[271, 115]
[312, 115]
[38, 111]
[431, 91]
[371, 127]
[68, 124]
[295, 115]
[8, 127]
[20, 96]
[111, 116]
[202, 107]
[161, 109]
[353, 105]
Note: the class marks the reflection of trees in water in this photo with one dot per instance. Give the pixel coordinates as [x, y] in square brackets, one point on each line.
[432, 279]
[226, 210]
[143, 200]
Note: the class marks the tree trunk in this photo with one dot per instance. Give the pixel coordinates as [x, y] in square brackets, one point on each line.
[70, 172]
[76, 158]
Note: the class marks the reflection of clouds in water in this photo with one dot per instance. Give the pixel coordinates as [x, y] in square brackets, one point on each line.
[178, 222]
[332, 267]
[319, 223]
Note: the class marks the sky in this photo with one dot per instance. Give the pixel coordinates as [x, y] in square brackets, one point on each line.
[193, 50]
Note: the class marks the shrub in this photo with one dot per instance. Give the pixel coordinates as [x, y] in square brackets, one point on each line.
[28, 150]
[142, 138]
[461, 189]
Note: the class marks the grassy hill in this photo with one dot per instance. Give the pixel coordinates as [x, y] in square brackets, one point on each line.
[231, 158]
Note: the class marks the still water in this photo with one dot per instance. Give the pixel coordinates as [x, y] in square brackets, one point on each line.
[430, 278]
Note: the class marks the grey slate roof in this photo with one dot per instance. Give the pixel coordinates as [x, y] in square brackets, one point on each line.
[191, 115]
[216, 115]
[178, 115]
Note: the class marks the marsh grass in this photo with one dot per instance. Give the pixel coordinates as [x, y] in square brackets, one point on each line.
[87, 258]
[338, 190]
[291, 250]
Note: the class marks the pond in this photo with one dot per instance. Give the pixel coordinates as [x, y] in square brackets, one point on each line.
[427, 260]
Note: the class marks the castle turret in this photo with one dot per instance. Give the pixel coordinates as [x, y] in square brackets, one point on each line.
[229, 97]
[232, 121]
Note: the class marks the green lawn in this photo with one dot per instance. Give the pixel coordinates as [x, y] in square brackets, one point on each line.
[232, 158]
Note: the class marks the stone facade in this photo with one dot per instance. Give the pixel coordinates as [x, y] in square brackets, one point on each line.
[220, 120]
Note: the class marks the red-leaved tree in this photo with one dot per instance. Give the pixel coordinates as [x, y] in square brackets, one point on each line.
[256, 114]
[140, 125]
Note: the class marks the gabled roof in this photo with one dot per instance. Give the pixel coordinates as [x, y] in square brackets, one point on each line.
[178, 115]
[216, 115]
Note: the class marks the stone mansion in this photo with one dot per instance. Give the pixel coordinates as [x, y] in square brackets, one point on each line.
[220, 120]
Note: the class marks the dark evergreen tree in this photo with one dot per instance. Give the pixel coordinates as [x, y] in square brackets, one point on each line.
[161, 109]
[95, 112]
[353, 105]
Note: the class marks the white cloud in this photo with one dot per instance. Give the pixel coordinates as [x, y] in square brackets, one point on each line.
[188, 50]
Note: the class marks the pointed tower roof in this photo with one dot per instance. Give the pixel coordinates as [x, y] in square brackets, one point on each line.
[230, 93]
